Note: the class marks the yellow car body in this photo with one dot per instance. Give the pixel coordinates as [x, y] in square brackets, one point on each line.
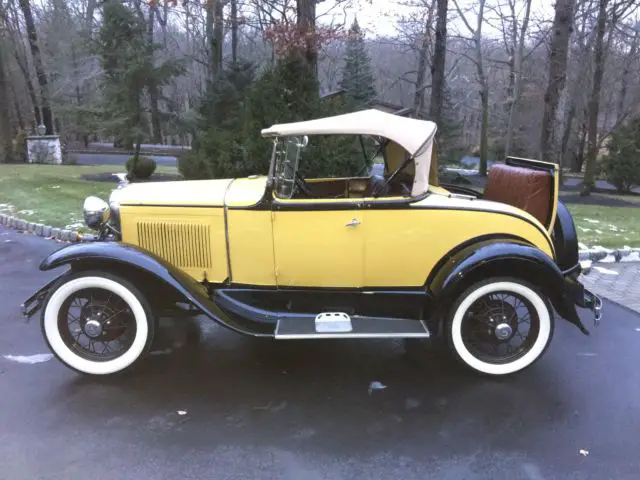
[379, 256]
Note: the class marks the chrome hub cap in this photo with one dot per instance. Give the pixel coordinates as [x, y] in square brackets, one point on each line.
[93, 328]
[503, 331]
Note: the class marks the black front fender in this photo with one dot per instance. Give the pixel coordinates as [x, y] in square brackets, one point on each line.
[504, 257]
[120, 257]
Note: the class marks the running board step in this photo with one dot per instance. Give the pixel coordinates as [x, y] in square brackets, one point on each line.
[341, 325]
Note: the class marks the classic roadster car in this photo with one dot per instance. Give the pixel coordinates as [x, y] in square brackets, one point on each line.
[288, 257]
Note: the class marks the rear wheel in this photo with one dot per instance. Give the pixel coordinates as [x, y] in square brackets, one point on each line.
[499, 326]
[97, 323]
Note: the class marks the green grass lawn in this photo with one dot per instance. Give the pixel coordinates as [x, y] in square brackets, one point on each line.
[53, 194]
[612, 227]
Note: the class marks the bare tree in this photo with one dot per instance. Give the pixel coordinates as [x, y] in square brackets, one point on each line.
[438, 63]
[306, 21]
[514, 35]
[476, 38]
[601, 49]
[562, 29]
[47, 116]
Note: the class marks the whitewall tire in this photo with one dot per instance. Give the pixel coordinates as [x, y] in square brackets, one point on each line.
[130, 309]
[478, 313]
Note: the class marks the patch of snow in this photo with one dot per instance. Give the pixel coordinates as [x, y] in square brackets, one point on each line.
[376, 386]
[583, 452]
[27, 212]
[582, 246]
[30, 359]
[462, 171]
[591, 220]
[74, 225]
[584, 229]
[182, 412]
[55, 186]
[608, 259]
[606, 271]
[585, 264]
[598, 232]
[632, 257]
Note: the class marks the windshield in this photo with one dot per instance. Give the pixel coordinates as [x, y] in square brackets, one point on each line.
[287, 158]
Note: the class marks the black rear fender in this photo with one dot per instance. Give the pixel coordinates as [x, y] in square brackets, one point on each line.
[500, 258]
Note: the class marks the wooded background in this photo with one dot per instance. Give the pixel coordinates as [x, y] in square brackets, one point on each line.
[498, 77]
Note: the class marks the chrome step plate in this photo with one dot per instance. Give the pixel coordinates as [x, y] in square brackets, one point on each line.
[333, 322]
[341, 325]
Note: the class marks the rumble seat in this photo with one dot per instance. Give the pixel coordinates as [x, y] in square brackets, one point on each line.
[527, 189]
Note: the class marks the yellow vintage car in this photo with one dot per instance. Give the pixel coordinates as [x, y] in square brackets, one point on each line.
[287, 257]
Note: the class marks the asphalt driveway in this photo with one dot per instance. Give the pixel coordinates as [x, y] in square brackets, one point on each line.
[238, 408]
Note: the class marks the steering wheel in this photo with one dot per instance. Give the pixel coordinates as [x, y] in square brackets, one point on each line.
[302, 185]
[384, 186]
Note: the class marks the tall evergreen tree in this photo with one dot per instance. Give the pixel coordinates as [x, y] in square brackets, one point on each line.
[289, 93]
[357, 75]
[128, 65]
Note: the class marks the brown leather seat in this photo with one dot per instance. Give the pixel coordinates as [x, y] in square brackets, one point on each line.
[524, 188]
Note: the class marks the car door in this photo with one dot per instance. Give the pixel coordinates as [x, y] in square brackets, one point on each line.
[395, 239]
[318, 243]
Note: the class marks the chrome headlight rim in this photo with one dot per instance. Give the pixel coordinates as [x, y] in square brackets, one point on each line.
[96, 212]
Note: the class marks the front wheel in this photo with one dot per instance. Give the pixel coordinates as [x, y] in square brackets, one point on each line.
[97, 323]
[499, 326]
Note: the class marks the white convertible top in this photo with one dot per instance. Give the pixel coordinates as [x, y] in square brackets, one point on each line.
[415, 136]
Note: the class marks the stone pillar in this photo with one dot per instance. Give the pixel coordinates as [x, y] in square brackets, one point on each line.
[44, 149]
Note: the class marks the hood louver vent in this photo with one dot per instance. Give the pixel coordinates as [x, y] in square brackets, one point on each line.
[181, 244]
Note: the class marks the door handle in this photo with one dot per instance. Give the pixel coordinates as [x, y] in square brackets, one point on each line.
[353, 223]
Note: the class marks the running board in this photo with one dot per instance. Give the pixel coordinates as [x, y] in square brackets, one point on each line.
[341, 325]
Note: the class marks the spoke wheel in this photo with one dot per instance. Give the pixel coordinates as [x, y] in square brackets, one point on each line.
[499, 326]
[97, 323]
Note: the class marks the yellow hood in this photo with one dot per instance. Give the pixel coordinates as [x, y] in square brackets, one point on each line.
[188, 193]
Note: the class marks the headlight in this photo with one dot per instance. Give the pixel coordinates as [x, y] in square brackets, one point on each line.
[96, 212]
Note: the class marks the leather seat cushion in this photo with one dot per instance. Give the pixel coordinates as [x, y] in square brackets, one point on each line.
[527, 189]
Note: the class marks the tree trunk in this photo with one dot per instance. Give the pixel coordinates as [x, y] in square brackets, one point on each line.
[6, 140]
[516, 78]
[594, 100]
[438, 63]
[580, 151]
[47, 117]
[306, 22]
[564, 154]
[16, 106]
[484, 93]
[214, 33]
[156, 127]
[624, 78]
[418, 96]
[562, 29]
[234, 32]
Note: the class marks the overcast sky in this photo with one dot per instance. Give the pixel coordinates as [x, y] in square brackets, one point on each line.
[378, 17]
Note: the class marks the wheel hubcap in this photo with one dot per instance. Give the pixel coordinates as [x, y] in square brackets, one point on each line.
[93, 328]
[503, 331]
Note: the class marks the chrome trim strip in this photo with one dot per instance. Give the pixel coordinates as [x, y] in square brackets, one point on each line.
[225, 210]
